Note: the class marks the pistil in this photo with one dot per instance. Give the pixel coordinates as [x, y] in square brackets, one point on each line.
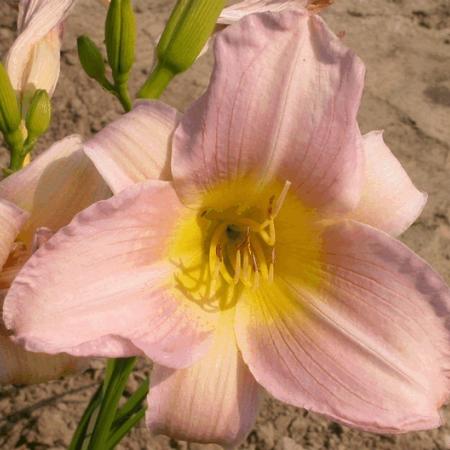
[241, 248]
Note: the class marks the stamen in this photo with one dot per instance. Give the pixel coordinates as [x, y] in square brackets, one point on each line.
[214, 245]
[226, 275]
[281, 199]
[259, 252]
[238, 251]
[268, 237]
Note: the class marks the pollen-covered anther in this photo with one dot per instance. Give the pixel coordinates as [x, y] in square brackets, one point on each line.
[242, 250]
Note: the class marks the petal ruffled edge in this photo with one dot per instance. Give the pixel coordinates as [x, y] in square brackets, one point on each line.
[104, 286]
[369, 346]
[389, 200]
[246, 124]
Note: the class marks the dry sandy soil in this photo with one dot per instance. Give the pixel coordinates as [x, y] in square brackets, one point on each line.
[406, 46]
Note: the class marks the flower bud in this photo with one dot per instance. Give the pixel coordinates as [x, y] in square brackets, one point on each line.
[189, 27]
[9, 108]
[39, 114]
[91, 58]
[120, 38]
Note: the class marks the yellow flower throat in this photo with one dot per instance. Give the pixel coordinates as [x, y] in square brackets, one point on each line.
[242, 249]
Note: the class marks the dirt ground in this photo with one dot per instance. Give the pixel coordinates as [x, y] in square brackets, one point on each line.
[406, 47]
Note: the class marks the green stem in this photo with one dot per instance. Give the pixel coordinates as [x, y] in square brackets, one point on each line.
[158, 80]
[113, 392]
[80, 433]
[123, 95]
[120, 432]
[14, 142]
[16, 161]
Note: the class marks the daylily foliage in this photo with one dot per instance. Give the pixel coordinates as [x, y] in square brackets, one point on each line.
[250, 243]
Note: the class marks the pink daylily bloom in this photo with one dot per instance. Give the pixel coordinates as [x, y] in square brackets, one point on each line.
[34, 203]
[255, 260]
[236, 12]
[33, 62]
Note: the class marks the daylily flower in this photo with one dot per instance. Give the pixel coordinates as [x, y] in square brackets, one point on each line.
[34, 203]
[239, 10]
[239, 251]
[33, 61]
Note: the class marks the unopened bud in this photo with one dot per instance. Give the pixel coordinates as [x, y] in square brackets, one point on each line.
[9, 108]
[120, 38]
[39, 114]
[91, 58]
[189, 27]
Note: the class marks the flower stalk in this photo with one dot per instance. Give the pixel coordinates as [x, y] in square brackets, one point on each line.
[120, 40]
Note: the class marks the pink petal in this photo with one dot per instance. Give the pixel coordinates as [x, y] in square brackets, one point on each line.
[12, 219]
[216, 400]
[103, 285]
[54, 187]
[239, 10]
[21, 367]
[368, 346]
[136, 147]
[282, 104]
[389, 201]
[33, 60]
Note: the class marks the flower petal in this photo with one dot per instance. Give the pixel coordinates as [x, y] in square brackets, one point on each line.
[21, 367]
[33, 60]
[136, 147]
[368, 345]
[389, 201]
[12, 219]
[215, 400]
[54, 187]
[238, 11]
[103, 286]
[282, 103]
